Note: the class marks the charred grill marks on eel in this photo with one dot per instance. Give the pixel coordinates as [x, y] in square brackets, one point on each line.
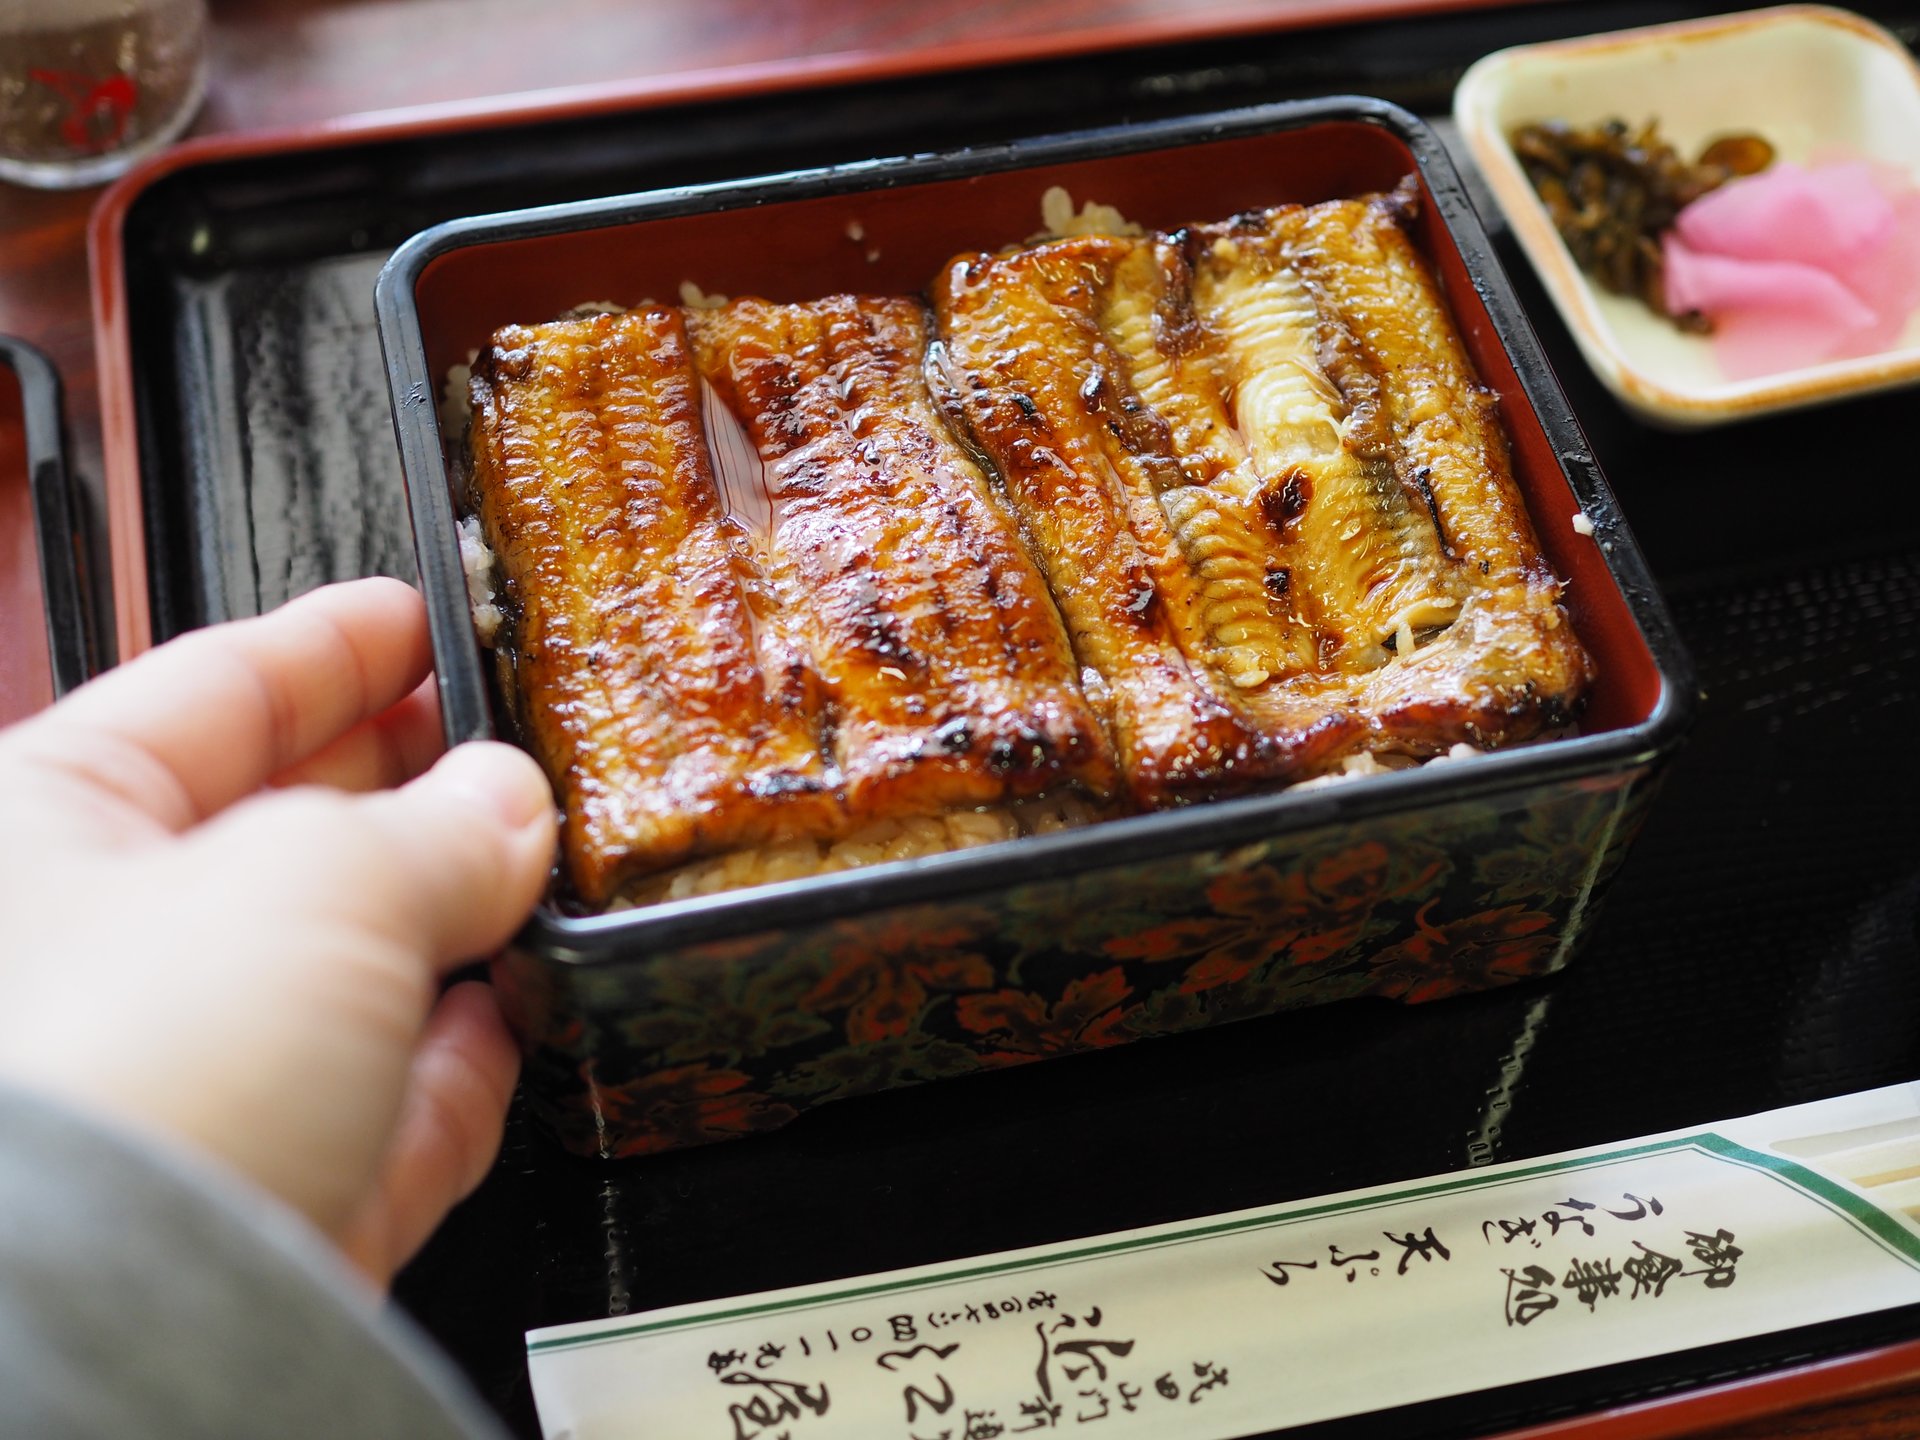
[1277, 415]
[839, 626]
[1165, 518]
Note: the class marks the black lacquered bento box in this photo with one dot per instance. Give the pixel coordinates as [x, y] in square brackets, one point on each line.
[715, 1017]
[45, 633]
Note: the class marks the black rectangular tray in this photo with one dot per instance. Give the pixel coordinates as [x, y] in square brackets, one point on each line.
[1761, 947]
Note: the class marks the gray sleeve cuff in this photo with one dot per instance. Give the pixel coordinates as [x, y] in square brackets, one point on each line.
[148, 1293]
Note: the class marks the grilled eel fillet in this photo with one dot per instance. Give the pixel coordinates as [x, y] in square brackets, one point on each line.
[834, 624]
[930, 632]
[1272, 499]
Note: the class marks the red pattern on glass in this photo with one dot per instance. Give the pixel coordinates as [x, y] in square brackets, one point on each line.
[99, 109]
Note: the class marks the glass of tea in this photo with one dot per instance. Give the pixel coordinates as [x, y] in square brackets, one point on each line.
[88, 88]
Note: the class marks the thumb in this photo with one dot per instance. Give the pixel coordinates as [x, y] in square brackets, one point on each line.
[445, 868]
[475, 838]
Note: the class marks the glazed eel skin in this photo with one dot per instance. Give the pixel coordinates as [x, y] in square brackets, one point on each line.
[754, 590]
[1156, 519]
[1273, 500]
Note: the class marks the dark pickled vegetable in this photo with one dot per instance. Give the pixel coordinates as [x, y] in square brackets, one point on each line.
[1612, 191]
[1738, 154]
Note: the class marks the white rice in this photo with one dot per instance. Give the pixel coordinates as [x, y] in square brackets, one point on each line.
[1356, 767]
[875, 844]
[1059, 219]
[477, 560]
[456, 406]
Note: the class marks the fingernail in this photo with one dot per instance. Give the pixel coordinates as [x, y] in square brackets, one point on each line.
[501, 778]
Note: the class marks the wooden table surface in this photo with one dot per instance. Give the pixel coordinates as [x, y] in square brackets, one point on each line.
[279, 64]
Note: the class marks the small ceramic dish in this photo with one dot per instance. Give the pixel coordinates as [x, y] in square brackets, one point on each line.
[1809, 78]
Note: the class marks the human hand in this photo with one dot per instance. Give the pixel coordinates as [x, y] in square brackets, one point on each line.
[221, 926]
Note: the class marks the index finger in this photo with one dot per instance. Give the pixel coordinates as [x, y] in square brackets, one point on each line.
[185, 730]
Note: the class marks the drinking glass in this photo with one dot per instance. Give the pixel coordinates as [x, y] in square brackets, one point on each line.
[88, 88]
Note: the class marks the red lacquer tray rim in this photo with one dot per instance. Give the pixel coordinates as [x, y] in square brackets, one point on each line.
[1830, 1381]
[132, 619]
[26, 680]
[53, 613]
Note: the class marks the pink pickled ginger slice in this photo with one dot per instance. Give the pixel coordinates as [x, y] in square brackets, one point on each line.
[1888, 279]
[1828, 217]
[1796, 267]
[1713, 284]
[1769, 315]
